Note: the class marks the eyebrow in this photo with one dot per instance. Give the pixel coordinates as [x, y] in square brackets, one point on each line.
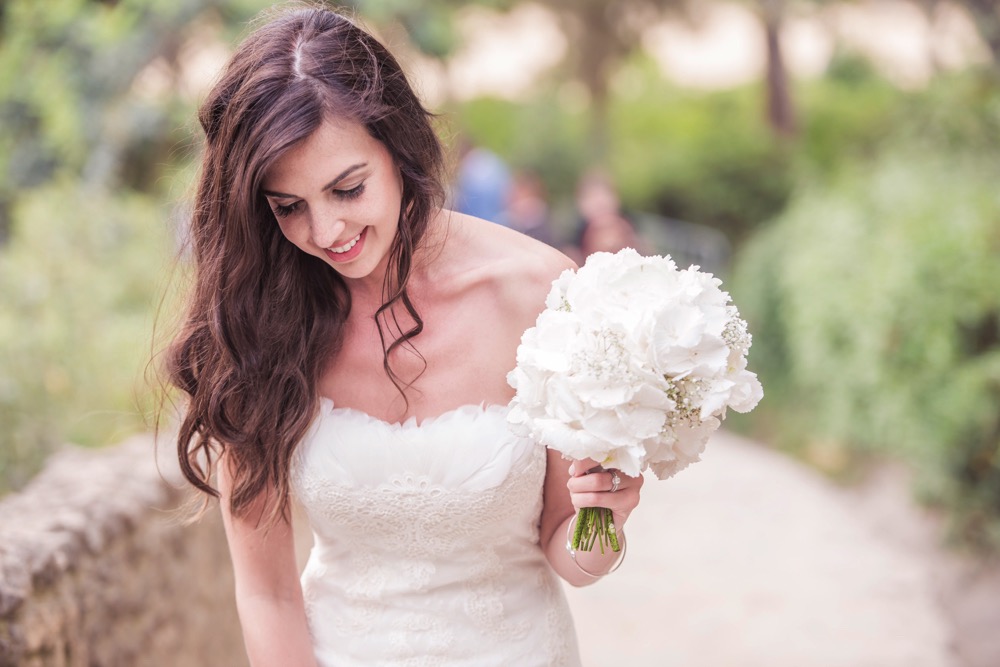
[344, 174]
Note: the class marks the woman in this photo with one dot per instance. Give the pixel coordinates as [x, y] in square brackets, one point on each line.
[348, 342]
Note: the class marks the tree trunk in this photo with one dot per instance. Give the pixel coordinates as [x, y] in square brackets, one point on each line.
[780, 109]
[596, 63]
[600, 135]
[986, 15]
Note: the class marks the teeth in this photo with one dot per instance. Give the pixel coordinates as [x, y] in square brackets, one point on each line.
[347, 246]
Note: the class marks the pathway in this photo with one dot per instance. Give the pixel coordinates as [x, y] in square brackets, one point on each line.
[750, 559]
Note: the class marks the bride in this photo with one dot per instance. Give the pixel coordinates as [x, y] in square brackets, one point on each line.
[347, 343]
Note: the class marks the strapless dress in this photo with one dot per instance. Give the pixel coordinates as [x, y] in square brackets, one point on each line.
[426, 548]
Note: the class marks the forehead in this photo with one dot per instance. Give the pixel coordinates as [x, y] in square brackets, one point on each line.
[331, 148]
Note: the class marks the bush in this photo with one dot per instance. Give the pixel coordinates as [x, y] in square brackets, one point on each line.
[846, 115]
[876, 314]
[79, 280]
[707, 158]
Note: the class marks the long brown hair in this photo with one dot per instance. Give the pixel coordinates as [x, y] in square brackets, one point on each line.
[265, 317]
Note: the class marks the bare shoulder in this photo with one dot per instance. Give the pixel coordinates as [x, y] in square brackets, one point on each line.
[516, 270]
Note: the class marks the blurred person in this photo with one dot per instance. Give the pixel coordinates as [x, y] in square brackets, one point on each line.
[527, 208]
[482, 184]
[347, 342]
[603, 226]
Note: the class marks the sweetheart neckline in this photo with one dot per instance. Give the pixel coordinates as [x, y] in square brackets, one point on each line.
[483, 408]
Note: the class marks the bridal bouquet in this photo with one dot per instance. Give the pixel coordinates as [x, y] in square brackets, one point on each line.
[633, 363]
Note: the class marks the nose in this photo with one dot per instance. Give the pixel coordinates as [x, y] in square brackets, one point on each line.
[326, 229]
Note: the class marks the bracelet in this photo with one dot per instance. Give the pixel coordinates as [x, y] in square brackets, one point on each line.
[572, 552]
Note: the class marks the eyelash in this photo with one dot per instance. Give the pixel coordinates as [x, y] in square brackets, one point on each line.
[355, 192]
[285, 211]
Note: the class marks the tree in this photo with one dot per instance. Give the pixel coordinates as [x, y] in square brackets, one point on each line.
[66, 73]
[602, 35]
[780, 107]
[780, 104]
[82, 162]
[986, 15]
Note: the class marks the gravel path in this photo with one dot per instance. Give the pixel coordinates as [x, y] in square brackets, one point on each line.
[750, 559]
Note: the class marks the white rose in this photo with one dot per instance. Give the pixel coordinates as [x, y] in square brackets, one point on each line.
[560, 401]
[716, 399]
[630, 459]
[557, 294]
[679, 343]
[746, 393]
[701, 288]
[642, 421]
[607, 426]
[601, 393]
[571, 442]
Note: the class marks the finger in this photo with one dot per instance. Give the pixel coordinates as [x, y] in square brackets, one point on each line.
[598, 481]
[603, 481]
[582, 467]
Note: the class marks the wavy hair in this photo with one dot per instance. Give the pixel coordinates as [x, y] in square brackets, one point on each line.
[264, 317]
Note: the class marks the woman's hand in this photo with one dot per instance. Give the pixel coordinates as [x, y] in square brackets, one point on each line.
[594, 489]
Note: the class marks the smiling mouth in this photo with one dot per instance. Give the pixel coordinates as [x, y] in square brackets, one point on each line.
[347, 246]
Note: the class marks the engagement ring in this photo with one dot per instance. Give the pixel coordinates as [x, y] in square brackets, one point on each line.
[615, 481]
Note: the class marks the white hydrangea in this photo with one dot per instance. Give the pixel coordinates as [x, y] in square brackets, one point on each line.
[633, 363]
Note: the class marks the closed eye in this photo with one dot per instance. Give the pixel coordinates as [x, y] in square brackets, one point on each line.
[353, 193]
[285, 211]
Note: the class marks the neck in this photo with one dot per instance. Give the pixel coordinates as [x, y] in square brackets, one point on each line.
[367, 294]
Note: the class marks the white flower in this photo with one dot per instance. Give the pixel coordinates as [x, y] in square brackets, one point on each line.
[633, 363]
[746, 393]
[684, 339]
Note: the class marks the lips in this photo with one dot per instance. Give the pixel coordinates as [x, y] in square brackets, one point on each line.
[349, 250]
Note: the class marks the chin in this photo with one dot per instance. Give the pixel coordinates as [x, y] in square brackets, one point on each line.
[359, 269]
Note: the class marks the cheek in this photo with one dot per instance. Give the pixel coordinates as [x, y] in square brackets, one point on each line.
[380, 211]
[291, 230]
[394, 207]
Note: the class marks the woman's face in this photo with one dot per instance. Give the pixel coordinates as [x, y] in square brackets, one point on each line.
[337, 195]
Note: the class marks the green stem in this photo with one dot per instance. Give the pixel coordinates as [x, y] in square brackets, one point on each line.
[581, 520]
[595, 525]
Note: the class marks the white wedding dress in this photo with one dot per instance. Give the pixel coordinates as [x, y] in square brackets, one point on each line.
[426, 543]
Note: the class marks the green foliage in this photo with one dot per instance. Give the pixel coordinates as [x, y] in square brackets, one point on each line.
[82, 242]
[63, 66]
[544, 135]
[875, 310]
[79, 281]
[429, 24]
[845, 115]
[703, 157]
[957, 113]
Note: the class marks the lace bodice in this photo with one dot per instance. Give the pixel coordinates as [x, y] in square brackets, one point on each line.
[426, 543]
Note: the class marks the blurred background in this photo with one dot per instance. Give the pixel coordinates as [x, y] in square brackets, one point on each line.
[836, 162]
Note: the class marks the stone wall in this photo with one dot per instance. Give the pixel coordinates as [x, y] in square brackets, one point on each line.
[97, 568]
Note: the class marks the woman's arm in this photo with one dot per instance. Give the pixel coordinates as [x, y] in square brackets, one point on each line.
[567, 492]
[268, 593]
[524, 293]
